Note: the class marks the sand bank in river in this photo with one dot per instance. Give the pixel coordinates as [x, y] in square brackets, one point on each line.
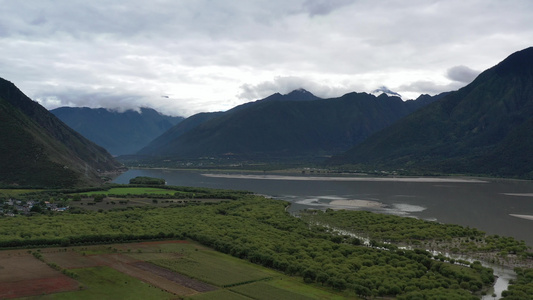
[527, 217]
[332, 178]
[519, 194]
[357, 203]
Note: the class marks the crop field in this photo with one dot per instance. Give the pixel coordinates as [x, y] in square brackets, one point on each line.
[213, 267]
[107, 283]
[219, 295]
[129, 271]
[118, 203]
[265, 291]
[21, 275]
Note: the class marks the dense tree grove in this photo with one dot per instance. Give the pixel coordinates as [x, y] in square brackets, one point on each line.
[522, 287]
[260, 230]
[147, 180]
[390, 228]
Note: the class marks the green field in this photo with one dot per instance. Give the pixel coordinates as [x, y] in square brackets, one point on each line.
[16, 192]
[107, 283]
[214, 267]
[243, 280]
[246, 280]
[265, 291]
[132, 191]
[218, 295]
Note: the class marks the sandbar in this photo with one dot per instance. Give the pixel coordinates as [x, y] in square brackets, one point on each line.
[332, 178]
[357, 203]
[527, 217]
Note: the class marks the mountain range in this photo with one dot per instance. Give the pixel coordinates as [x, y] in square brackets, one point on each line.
[294, 126]
[484, 128]
[119, 133]
[38, 150]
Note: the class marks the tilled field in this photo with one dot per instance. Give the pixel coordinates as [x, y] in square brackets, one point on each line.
[22, 275]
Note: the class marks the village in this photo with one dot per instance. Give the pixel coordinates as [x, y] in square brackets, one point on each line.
[13, 207]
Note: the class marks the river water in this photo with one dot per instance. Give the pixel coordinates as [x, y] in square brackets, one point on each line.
[496, 206]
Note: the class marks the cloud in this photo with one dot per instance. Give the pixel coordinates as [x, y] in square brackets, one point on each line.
[285, 85]
[414, 89]
[462, 74]
[116, 100]
[211, 55]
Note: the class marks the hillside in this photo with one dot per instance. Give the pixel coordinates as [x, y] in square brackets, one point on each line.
[183, 127]
[295, 126]
[118, 132]
[483, 128]
[37, 149]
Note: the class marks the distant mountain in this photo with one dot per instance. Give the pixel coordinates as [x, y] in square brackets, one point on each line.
[175, 132]
[296, 125]
[118, 132]
[386, 91]
[37, 149]
[483, 128]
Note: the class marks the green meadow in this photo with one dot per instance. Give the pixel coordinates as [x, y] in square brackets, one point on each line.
[132, 191]
[216, 268]
[16, 192]
[107, 283]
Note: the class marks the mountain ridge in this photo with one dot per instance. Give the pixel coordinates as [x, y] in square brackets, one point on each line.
[283, 126]
[472, 130]
[37, 149]
[118, 132]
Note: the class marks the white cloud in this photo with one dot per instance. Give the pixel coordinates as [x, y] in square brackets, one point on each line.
[212, 55]
[285, 85]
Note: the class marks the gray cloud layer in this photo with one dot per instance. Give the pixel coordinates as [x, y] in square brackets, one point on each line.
[462, 74]
[183, 57]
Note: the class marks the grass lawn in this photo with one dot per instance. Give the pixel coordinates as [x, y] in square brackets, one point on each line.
[107, 283]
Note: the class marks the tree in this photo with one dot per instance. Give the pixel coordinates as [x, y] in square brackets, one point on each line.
[99, 197]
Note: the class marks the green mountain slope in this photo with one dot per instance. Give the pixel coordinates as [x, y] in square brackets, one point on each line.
[483, 128]
[178, 130]
[118, 132]
[293, 126]
[37, 149]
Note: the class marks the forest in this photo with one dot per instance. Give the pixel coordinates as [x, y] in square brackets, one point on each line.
[382, 228]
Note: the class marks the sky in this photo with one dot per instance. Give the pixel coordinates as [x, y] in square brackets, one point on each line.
[182, 57]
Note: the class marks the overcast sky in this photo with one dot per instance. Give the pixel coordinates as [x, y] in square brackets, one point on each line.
[184, 57]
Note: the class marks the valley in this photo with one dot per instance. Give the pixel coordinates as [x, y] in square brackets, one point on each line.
[211, 207]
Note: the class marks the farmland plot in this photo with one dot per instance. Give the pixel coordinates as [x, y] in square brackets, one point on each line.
[22, 275]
